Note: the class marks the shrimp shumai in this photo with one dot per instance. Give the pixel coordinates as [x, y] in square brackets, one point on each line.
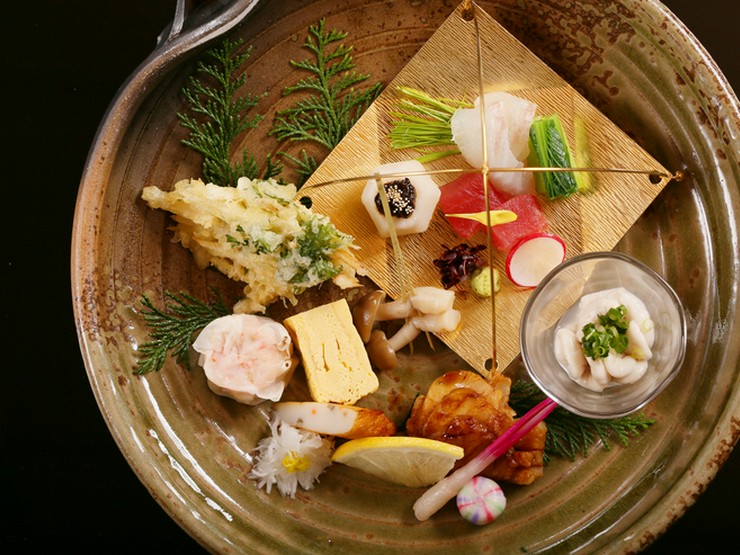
[246, 357]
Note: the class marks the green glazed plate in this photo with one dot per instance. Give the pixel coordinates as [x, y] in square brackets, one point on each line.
[632, 59]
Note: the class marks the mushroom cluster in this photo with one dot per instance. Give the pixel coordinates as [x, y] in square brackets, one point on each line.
[427, 309]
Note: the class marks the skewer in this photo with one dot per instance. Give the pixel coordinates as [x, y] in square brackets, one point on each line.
[440, 493]
[468, 14]
[404, 279]
[655, 177]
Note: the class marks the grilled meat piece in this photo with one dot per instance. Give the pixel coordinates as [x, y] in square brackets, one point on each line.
[462, 408]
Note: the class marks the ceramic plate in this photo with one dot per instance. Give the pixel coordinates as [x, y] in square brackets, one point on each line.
[636, 63]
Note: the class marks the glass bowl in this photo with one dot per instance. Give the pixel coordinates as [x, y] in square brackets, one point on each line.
[561, 290]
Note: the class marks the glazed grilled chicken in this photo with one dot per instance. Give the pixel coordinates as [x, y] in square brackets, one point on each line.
[465, 409]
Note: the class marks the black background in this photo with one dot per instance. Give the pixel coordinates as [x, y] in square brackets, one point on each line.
[65, 484]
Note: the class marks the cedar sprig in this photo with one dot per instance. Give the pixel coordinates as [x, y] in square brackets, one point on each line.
[570, 435]
[173, 329]
[219, 114]
[332, 103]
[304, 166]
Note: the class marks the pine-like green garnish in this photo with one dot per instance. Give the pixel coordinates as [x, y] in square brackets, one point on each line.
[570, 435]
[331, 104]
[218, 115]
[173, 329]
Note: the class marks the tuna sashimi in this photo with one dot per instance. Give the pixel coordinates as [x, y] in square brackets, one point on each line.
[530, 219]
[465, 195]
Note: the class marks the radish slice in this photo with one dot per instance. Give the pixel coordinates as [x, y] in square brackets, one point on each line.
[533, 257]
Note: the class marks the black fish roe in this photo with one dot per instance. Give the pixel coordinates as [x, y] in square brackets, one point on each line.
[401, 198]
[457, 263]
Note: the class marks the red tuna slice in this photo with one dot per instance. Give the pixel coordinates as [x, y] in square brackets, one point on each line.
[529, 220]
[465, 195]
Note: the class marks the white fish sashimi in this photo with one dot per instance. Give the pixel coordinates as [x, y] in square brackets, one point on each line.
[519, 117]
[625, 369]
[508, 119]
[638, 345]
[599, 375]
[466, 132]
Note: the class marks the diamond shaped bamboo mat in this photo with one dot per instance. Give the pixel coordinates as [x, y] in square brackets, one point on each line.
[446, 66]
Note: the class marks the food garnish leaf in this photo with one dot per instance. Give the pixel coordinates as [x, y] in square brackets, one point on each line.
[570, 435]
[173, 329]
[218, 115]
[319, 240]
[304, 166]
[331, 103]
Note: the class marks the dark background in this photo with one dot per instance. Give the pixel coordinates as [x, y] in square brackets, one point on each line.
[65, 484]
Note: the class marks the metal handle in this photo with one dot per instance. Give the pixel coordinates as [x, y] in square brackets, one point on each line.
[198, 18]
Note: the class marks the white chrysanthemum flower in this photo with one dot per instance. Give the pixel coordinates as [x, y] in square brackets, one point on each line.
[290, 457]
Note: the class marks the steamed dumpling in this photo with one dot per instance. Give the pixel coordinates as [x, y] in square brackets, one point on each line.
[246, 357]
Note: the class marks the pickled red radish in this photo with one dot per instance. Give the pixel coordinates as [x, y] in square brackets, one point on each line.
[533, 257]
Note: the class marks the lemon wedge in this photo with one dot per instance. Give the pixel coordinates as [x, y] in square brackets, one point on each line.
[408, 461]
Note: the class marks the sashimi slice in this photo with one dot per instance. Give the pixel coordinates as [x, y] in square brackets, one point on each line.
[465, 195]
[466, 132]
[508, 119]
[530, 220]
[513, 183]
[520, 115]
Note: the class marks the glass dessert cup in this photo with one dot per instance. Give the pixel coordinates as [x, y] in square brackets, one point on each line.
[561, 290]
